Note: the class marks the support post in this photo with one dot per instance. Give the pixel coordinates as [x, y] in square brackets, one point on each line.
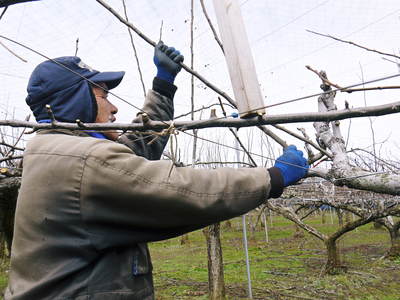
[239, 59]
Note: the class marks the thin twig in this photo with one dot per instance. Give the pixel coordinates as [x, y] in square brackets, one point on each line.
[11, 146]
[211, 26]
[161, 28]
[389, 87]
[305, 140]
[149, 41]
[134, 50]
[4, 11]
[221, 163]
[324, 79]
[273, 136]
[12, 52]
[354, 44]
[254, 164]
[200, 109]
[14, 147]
[51, 115]
[76, 46]
[10, 158]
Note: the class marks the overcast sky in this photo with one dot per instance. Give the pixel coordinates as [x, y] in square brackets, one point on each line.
[277, 32]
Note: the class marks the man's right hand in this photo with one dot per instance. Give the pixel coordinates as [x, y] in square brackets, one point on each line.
[292, 164]
[167, 61]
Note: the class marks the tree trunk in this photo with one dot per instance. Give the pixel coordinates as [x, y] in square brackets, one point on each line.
[378, 225]
[299, 233]
[339, 213]
[185, 239]
[347, 216]
[216, 284]
[394, 251]
[323, 216]
[252, 227]
[8, 199]
[228, 224]
[333, 264]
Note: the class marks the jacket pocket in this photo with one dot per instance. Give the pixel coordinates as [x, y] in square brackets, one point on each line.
[141, 261]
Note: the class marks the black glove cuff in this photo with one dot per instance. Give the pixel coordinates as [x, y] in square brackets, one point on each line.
[164, 87]
[276, 182]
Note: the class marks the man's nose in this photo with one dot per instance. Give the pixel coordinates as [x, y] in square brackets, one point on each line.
[114, 109]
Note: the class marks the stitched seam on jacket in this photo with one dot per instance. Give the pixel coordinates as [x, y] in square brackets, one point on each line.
[53, 154]
[84, 225]
[170, 186]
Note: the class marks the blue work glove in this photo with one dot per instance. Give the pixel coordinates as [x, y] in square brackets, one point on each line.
[292, 164]
[167, 61]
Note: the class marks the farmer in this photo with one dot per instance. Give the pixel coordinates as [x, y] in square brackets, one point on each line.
[89, 201]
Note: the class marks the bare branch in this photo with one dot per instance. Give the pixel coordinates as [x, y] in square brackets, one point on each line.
[12, 52]
[211, 26]
[76, 46]
[11, 146]
[4, 11]
[352, 43]
[324, 80]
[254, 164]
[288, 213]
[200, 109]
[10, 158]
[149, 41]
[273, 136]
[378, 110]
[307, 141]
[134, 50]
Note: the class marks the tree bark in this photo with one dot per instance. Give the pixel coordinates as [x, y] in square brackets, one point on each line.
[8, 199]
[323, 216]
[333, 264]
[299, 233]
[216, 284]
[340, 216]
[394, 251]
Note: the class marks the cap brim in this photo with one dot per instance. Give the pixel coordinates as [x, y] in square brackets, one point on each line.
[111, 79]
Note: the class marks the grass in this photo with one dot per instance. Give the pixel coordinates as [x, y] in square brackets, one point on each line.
[287, 267]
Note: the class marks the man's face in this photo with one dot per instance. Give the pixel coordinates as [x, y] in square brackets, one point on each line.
[105, 110]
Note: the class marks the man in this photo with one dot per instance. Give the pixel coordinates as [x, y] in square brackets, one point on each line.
[88, 205]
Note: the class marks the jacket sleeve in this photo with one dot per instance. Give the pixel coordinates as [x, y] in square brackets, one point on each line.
[159, 107]
[127, 199]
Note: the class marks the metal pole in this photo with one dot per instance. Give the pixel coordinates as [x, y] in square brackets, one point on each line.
[266, 226]
[246, 250]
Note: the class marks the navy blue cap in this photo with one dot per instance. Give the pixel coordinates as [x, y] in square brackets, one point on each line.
[62, 83]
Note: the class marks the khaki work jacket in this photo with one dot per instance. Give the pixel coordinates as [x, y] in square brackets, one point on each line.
[87, 207]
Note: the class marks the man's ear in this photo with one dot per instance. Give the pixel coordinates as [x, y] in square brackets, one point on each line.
[94, 103]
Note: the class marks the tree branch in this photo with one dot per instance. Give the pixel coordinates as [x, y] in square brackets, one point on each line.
[352, 43]
[378, 110]
[134, 50]
[152, 43]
